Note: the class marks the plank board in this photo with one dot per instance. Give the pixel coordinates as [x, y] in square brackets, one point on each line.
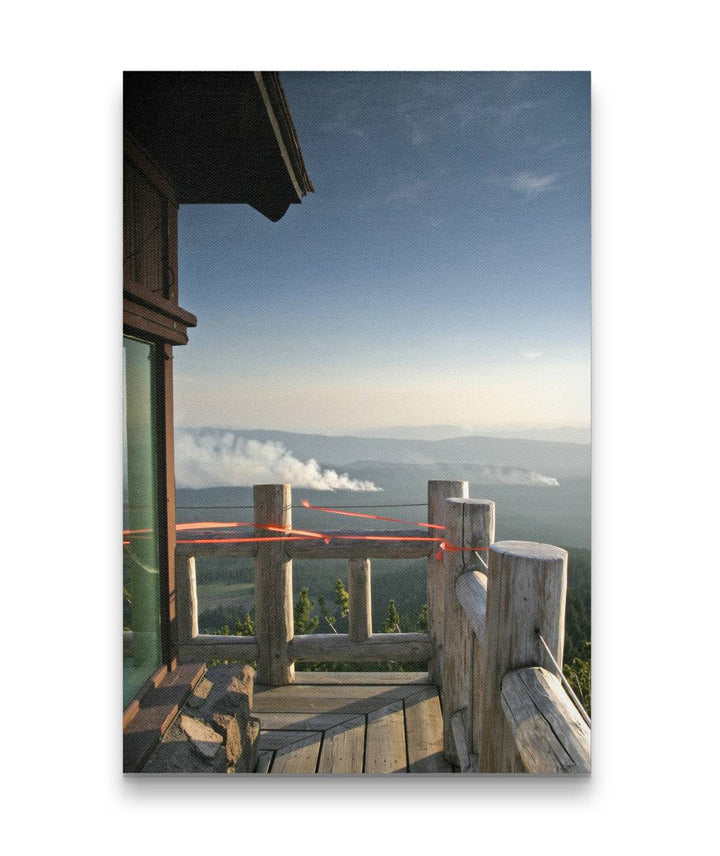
[327, 699]
[272, 740]
[303, 721]
[299, 757]
[343, 748]
[385, 745]
[336, 691]
[361, 678]
[264, 761]
[424, 726]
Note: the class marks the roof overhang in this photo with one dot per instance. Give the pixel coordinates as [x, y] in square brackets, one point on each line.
[222, 137]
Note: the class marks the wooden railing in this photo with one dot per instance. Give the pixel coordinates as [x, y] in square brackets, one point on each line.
[496, 619]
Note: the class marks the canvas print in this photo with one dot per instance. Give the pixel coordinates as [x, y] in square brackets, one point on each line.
[356, 423]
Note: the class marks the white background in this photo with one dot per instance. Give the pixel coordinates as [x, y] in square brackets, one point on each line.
[655, 567]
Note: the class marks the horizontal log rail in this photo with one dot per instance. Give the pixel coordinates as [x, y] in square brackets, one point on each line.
[340, 648]
[342, 544]
[550, 734]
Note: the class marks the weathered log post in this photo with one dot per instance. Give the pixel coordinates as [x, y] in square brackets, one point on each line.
[273, 585]
[359, 600]
[186, 604]
[438, 492]
[527, 584]
[470, 527]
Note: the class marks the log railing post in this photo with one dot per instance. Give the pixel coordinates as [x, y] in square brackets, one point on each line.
[438, 492]
[470, 526]
[186, 603]
[527, 584]
[273, 586]
[359, 600]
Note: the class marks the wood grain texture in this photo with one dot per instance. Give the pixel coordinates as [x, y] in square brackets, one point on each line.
[458, 726]
[273, 587]
[550, 734]
[303, 721]
[343, 748]
[186, 601]
[349, 544]
[470, 523]
[527, 585]
[269, 741]
[438, 492]
[264, 761]
[385, 740]
[471, 591]
[361, 678]
[300, 757]
[423, 726]
[340, 648]
[360, 600]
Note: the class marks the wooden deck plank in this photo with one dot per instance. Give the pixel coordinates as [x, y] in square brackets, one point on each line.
[388, 693]
[343, 748]
[303, 721]
[298, 758]
[327, 699]
[385, 746]
[361, 678]
[311, 704]
[424, 727]
[272, 740]
[264, 761]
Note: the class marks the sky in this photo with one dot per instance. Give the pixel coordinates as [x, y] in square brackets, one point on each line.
[439, 274]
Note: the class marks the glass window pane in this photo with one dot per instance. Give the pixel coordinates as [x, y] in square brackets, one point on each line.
[142, 653]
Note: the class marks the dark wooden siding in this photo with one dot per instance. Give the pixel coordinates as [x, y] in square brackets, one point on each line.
[145, 232]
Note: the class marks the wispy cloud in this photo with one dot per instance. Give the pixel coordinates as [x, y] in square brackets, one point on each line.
[531, 355]
[209, 460]
[532, 184]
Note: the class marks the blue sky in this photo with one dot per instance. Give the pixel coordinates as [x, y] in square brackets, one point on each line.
[440, 274]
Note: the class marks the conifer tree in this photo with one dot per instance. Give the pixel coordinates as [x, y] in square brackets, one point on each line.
[392, 622]
[245, 627]
[342, 598]
[304, 623]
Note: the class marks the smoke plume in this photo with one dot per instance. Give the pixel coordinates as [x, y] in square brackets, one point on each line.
[514, 475]
[230, 461]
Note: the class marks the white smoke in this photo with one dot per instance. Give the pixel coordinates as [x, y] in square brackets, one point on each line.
[514, 475]
[208, 460]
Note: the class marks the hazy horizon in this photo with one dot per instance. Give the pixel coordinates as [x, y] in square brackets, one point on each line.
[440, 431]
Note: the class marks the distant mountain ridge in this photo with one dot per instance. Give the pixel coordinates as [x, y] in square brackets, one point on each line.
[553, 459]
[560, 434]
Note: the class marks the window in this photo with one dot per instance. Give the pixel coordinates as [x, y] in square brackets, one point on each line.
[142, 648]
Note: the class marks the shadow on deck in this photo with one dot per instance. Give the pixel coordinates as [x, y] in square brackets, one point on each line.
[349, 723]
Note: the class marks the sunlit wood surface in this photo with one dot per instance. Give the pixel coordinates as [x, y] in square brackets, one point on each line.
[350, 723]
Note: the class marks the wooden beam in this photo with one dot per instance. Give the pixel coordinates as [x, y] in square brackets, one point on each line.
[360, 600]
[338, 648]
[346, 544]
[550, 734]
[186, 600]
[438, 492]
[470, 525]
[273, 587]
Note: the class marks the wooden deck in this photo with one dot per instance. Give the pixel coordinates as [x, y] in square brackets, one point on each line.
[349, 723]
